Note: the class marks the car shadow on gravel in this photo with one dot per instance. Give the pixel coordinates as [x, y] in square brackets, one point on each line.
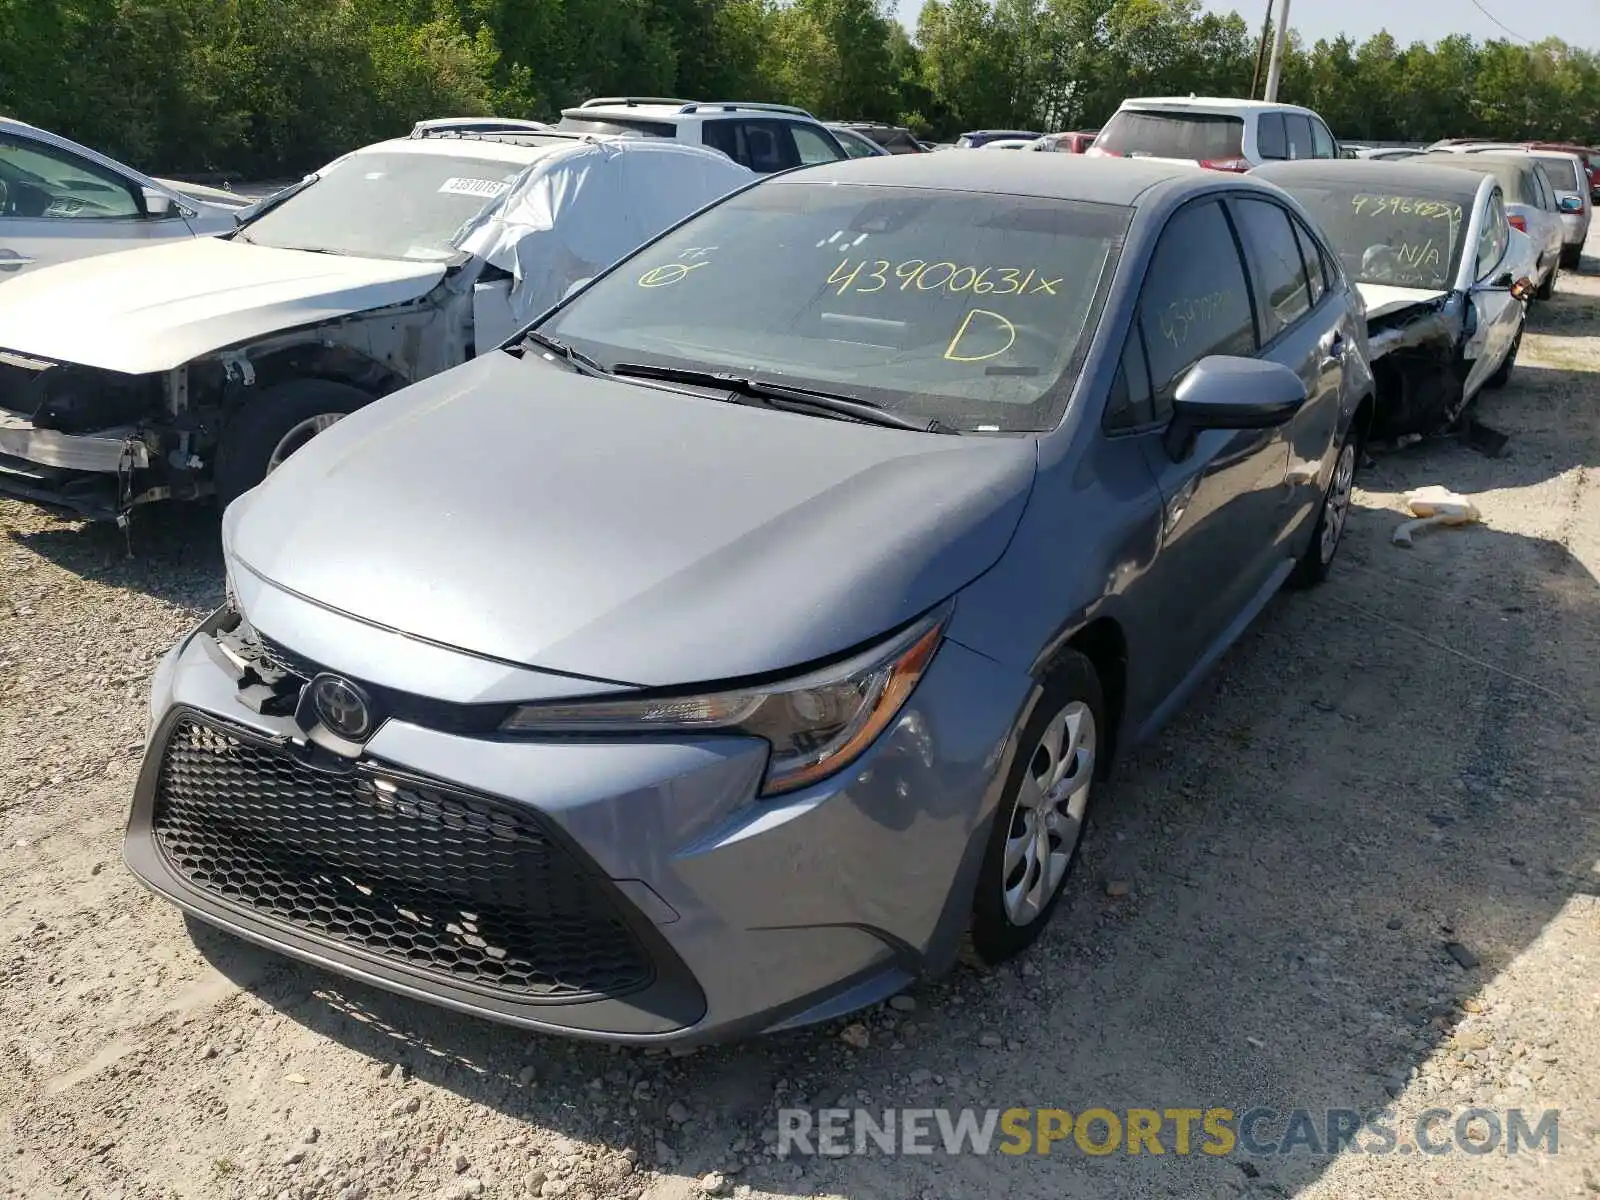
[1291, 899]
[1540, 414]
[172, 552]
[1566, 312]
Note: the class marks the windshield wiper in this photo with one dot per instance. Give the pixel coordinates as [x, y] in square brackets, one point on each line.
[785, 397]
[577, 359]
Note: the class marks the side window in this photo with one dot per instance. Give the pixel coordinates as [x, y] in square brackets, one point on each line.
[723, 135]
[1271, 141]
[1297, 127]
[1131, 405]
[1316, 265]
[1283, 293]
[1322, 143]
[1547, 194]
[769, 146]
[814, 148]
[1494, 238]
[38, 180]
[1195, 301]
[763, 146]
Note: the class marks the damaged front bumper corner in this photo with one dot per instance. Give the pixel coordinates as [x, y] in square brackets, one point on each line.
[78, 474]
[1417, 362]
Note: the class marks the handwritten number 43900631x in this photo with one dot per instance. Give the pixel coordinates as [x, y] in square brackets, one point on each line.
[939, 276]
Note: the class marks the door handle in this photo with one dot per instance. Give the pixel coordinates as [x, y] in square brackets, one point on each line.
[1333, 349]
[10, 260]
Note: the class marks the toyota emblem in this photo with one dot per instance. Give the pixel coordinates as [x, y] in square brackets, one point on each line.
[342, 707]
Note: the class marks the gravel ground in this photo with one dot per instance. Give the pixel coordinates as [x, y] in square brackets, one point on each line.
[1401, 763]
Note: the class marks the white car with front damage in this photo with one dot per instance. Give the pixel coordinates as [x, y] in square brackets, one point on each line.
[192, 369]
[1445, 278]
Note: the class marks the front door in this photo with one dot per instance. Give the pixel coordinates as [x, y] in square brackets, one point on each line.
[56, 206]
[1497, 314]
[1224, 499]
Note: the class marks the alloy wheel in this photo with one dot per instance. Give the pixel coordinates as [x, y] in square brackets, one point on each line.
[1047, 820]
[1337, 506]
[298, 435]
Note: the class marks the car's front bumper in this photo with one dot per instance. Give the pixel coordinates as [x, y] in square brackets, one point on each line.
[753, 914]
[81, 474]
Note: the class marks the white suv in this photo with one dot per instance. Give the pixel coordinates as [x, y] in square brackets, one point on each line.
[762, 137]
[1222, 134]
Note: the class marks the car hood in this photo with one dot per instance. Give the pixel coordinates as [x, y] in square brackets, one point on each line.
[157, 307]
[1381, 299]
[517, 510]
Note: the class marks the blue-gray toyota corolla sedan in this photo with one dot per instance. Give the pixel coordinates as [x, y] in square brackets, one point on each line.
[745, 638]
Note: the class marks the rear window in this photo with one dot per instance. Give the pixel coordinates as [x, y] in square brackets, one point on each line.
[622, 125]
[969, 307]
[1200, 136]
[1409, 238]
[1563, 172]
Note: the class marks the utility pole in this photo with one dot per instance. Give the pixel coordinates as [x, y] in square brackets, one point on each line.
[1275, 67]
[1261, 51]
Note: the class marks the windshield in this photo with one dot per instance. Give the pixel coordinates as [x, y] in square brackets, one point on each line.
[1404, 240]
[1200, 136]
[379, 205]
[967, 308]
[1562, 170]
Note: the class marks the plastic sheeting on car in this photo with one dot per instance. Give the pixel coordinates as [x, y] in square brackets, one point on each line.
[577, 210]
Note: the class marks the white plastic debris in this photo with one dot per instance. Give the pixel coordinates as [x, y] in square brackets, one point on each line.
[1435, 505]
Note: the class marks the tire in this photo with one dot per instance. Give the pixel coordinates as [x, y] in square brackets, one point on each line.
[273, 424]
[1057, 747]
[1547, 289]
[1572, 257]
[1502, 373]
[1334, 514]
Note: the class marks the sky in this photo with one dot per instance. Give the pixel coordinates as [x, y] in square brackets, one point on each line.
[1575, 21]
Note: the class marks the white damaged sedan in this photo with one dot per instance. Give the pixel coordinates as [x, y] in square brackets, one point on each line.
[194, 368]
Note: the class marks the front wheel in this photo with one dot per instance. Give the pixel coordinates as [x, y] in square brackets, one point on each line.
[1039, 824]
[1317, 561]
[1502, 373]
[272, 425]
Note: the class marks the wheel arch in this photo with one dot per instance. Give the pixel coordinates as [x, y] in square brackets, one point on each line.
[1105, 644]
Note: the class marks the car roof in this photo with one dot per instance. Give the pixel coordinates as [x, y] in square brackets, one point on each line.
[496, 147]
[1512, 159]
[1048, 176]
[659, 107]
[1458, 180]
[1213, 104]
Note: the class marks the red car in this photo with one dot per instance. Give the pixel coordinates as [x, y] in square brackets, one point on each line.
[1069, 143]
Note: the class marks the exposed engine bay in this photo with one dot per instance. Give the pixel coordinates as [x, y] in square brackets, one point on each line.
[92, 442]
[1418, 367]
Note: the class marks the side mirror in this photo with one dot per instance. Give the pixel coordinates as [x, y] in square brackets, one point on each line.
[157, 203]
[1570, 204]
[1223, 392]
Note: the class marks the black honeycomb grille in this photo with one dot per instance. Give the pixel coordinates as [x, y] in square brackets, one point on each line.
[279, 657]
[451, 884]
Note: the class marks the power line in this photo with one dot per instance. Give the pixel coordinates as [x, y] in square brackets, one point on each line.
[1477, 5]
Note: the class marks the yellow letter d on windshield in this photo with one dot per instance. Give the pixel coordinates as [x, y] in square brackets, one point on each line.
[974, 334]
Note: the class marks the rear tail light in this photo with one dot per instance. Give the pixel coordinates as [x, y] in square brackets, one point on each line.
[1237, 165]
[1519, 223]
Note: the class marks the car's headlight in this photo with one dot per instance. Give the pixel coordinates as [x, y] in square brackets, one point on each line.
[816, 724]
